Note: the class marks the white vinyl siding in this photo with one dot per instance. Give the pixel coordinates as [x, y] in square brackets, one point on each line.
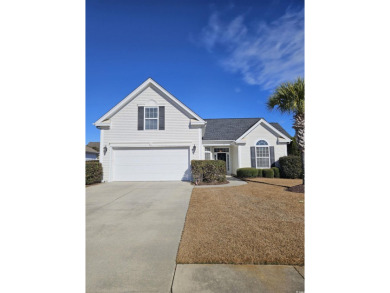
[124, 127]
[261, 132]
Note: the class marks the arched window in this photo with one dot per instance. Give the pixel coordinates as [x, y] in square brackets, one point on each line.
[262, 154]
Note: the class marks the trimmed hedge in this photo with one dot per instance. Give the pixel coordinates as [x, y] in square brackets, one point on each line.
[209, 170]
[291, 167]
[93, 172]
[276, 172]
[260, 173]
[268, 173]
[247, 172]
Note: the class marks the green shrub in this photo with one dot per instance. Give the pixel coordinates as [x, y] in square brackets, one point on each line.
[209, 170]
[259, 172]
[290, 167]
[292, 148]
[268, 173]
[247, 172]
[276, 172]
[93, 172]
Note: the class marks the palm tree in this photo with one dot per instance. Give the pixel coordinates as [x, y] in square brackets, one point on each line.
[289, 97]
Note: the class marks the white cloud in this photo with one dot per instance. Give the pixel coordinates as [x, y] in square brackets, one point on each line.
[265, 54]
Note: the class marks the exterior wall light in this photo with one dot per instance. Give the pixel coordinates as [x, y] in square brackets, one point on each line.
[105, 150]
[194, 149]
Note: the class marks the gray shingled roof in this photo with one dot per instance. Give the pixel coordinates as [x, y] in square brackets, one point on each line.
[94, 144]
[90, 150]
[280, 128]
[232, 128]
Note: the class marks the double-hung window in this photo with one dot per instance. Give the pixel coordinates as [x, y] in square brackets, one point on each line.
[207, 153]
[262, 154]
[151, 118]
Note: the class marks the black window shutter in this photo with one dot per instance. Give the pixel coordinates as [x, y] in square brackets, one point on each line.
[161, 117]
[253, 157]
[140, 118]
[272, 155]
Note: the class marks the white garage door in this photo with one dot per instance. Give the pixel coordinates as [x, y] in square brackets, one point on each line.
[150, 164]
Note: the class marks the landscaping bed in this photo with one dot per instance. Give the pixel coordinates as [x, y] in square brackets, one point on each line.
[297, 188]
[276, 181]
[250, 224]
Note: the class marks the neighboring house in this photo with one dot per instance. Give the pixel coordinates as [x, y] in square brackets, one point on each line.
[151, 136]
[91, 154]
[94, 145]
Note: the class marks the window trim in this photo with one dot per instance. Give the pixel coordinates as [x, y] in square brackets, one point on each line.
[269, 154]
[158, 116]
[207, 152]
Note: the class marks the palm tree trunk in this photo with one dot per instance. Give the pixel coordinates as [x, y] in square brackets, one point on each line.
[299, 126]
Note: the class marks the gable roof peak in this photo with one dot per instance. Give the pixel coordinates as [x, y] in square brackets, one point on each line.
[138, 90]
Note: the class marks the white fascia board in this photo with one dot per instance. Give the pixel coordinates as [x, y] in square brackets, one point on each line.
[137, 91]
[198, 123]
[152, 144]
[283, 140]
[257, 124]
[217, 142]
[101, 125]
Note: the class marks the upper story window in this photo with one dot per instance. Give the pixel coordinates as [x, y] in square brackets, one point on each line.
[151, 118]
[262, 154]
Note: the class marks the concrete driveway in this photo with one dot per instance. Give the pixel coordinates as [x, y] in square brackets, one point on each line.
[133, 231]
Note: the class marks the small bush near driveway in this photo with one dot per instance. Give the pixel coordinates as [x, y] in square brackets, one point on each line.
[209, 170]
[290, 167]
[247, 172]
[93, 172]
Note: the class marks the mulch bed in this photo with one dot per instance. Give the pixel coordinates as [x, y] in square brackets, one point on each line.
[297, 188]
[93, 184]
[249, 224]
[283, 182]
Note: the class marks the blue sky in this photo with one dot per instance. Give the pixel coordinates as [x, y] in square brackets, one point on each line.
[222, 59]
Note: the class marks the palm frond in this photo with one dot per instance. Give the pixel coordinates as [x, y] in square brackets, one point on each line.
[288, 97]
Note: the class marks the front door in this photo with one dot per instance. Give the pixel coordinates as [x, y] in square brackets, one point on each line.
[224, 157]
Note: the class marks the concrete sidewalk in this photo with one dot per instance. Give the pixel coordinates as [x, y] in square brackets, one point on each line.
[233, 181]
[215, 278]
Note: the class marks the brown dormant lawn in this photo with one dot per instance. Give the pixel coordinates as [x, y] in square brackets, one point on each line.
[256, 223]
